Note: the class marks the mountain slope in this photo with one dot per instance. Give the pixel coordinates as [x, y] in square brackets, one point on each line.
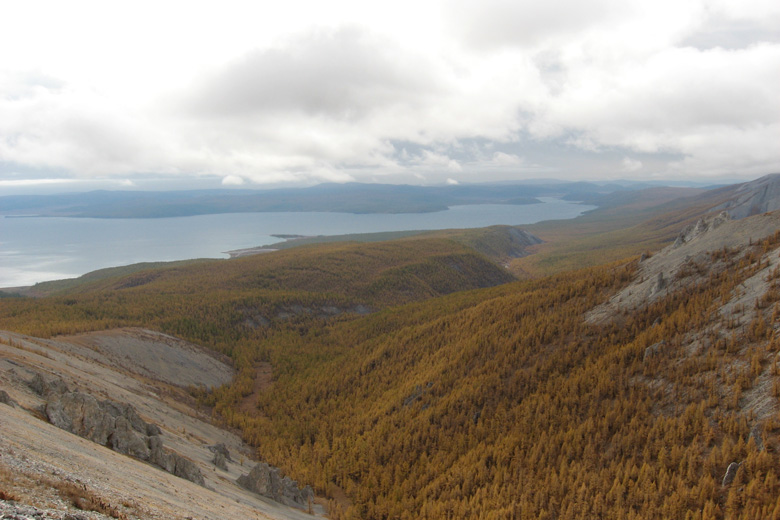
[43, 465]
[392, 380]
[441, 409]
[630, 223]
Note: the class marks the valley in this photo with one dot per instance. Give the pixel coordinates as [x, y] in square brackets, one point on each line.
[623, 364]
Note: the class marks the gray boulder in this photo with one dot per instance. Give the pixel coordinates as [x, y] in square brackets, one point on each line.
[267, 481]
[125, 439]
[731, 472]
[6, 399]
[755, 434]
[173, 462]
[221, 448]
[45, 387]
[220, 461]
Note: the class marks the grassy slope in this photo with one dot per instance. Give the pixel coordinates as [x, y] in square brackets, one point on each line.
[198, 298]
[623, 226]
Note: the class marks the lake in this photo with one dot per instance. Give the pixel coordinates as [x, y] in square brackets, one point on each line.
[38, 249]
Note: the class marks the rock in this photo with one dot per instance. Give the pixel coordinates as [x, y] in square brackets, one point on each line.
[173, 462]
[160, 456]
[81, 414]
[262, 479]
[731, 472]
[653, 350]
[414, 396]
[221, 449]
[755, 434]
[660, 283]
[44, 388]
[186, 469]
[125, 439]
[6, 399]
[127, 412]
[118, 427]
[268, 482]
[220, 461]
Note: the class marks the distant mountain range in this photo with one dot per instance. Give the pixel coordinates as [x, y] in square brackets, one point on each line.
[341, 198]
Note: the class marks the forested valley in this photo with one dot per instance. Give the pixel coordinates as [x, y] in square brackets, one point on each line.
[417, 378]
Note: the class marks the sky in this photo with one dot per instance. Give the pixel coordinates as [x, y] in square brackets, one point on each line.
[169, 94]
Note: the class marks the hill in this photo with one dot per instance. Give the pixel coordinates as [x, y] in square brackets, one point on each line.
[630, 223]
[344, 198]
[441, 409]
[415, 378]
[46, 465]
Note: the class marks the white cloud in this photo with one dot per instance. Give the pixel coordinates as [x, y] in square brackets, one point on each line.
[34, 182]
[506, 159]
[232, 180]
[631, 165]
[452, 182]
[309, 92]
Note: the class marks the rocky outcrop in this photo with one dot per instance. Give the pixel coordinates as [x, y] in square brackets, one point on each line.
[114, 425]
[268, 481]
[173, 463]
[6, 399]
[220, 462]
[731, 473]
[653, 350]
[221, 456]
[755, 434]
[700, 227]
[45, 387]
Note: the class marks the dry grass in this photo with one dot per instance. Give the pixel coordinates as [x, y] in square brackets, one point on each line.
[83, 498]
[43, 491]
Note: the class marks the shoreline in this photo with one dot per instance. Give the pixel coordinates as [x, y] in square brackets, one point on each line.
[249, 251]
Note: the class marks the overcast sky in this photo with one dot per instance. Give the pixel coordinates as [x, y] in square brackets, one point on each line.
[262, 94]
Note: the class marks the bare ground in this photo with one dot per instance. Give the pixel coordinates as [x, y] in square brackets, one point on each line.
[34, 451]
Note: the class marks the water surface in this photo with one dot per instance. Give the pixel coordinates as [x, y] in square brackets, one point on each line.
[38, 249]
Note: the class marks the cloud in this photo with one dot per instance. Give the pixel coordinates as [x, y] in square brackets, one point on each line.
[506, 159]
[485, 89]
[631, 165]
[33, 182]
[232, 180]
[688, 101]
[343, 74]
[487, 24]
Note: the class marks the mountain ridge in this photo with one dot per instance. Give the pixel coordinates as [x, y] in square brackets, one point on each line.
[630, 386]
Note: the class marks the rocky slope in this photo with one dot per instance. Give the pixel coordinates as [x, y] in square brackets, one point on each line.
[755, 197]
[689, 260]
[85, 431]
[715, 248]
